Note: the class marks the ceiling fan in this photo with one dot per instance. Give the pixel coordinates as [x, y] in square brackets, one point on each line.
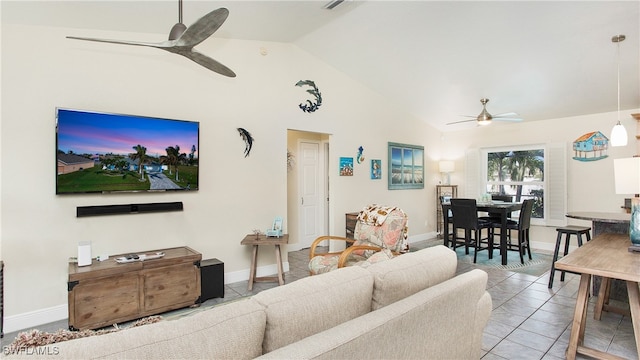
[182, 39]
[485, 118]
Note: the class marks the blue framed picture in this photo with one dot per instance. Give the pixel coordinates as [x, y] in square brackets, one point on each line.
[376, 169]
[406, 166]
[346, 166]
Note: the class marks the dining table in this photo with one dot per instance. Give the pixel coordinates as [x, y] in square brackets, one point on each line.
[607, 256]
[503, 209]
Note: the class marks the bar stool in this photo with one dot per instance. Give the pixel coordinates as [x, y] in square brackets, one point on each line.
[567, 231]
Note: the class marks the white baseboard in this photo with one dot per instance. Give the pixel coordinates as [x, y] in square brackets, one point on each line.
[422, 237]
[242, 275]
[35, 318]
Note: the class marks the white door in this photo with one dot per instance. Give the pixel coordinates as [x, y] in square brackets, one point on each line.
[311, 193]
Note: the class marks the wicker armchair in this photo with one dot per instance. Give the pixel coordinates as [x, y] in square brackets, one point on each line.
[380, 234]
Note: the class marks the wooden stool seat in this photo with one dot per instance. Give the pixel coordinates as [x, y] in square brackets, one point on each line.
[567, 231]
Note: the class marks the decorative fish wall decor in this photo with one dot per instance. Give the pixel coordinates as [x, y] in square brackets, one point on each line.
[310, 106]
[248, 140]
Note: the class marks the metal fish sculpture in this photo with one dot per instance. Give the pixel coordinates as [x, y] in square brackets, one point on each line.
[360, 157]
[310, 106]
[248, 140]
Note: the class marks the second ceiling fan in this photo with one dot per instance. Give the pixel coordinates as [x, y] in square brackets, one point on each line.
[484, 118]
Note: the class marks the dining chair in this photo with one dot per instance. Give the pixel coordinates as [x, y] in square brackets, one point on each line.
[522, 227]
[465, 217]
[496, 216]
[446, 213]
[505, 198]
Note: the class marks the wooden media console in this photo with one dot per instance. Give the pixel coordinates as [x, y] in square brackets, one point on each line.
[107, 292]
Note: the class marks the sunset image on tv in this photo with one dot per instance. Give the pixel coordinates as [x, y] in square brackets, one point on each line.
[102, 152]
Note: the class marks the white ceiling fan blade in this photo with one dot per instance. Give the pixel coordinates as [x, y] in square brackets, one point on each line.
[462, 121]
[508, 119]
[507, 115]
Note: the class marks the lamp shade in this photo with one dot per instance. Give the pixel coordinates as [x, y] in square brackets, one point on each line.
[446, 166]
[627, 175]
[618, 135]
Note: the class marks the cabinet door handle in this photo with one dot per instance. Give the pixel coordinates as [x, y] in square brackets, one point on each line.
[302, 200]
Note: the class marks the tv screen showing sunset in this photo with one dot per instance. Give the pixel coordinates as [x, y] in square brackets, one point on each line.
[103, 152]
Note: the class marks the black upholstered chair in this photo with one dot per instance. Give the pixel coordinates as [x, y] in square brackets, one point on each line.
[522, 227]
[505, 198]
[446, 213]
[495, 217]
[465, 217]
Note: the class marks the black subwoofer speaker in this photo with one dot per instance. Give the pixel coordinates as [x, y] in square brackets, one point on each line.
[211, 279]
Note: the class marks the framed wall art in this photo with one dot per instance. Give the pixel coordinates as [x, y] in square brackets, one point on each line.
[406, 166]
[346, 166]
[376, 169]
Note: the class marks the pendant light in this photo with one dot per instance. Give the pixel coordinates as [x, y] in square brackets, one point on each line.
[618, 133]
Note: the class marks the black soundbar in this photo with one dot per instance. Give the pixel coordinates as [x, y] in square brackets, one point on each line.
[82, 211]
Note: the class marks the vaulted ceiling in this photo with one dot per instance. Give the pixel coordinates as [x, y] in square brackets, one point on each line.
[435, 59]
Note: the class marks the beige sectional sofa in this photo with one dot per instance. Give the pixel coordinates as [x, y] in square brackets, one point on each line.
[410, 307]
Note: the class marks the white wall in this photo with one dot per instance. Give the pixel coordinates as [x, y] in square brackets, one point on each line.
[42, 70]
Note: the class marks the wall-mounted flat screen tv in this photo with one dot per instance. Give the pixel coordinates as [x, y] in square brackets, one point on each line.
[100, 152]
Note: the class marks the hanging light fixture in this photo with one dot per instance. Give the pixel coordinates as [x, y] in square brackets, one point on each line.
[618, 133]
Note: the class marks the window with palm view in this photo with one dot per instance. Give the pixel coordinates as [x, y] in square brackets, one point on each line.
[518, 173]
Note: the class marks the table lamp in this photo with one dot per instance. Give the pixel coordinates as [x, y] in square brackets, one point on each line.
[447, 167]
[627, 180]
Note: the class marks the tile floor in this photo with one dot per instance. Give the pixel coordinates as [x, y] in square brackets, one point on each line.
[529, 321]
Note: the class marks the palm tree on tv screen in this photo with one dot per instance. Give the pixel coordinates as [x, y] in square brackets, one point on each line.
[141, 156]
[174, 157]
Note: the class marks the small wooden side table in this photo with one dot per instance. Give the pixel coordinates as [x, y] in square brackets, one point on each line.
[261, 239]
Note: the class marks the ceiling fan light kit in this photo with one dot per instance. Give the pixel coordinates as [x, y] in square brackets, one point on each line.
[484, 118]
[618, 133]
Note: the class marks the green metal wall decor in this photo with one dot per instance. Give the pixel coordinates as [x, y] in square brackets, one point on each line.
[310, 106]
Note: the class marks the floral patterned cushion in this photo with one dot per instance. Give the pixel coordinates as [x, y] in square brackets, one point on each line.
[380, 226]
[380, 256]
[392, 234]
[324, 263]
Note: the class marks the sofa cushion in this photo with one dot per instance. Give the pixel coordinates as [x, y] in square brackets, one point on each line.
[409, 273]
[314, 304]
[229, 331]
[445, 321]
